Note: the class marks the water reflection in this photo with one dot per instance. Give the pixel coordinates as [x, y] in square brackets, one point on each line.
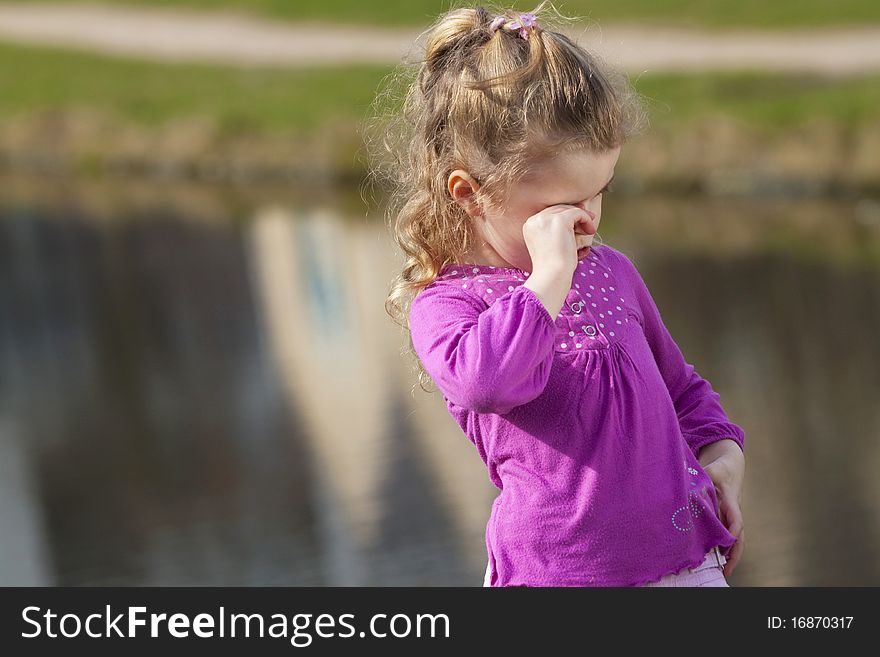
[217, 397]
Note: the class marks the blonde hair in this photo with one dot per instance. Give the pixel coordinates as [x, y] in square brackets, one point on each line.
[490, 102]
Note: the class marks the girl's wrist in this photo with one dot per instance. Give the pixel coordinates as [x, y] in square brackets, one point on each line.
[550, 287]
[725, 466]
[717, 449]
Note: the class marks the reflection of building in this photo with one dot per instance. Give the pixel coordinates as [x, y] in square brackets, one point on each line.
[23, 553]
[322, 284]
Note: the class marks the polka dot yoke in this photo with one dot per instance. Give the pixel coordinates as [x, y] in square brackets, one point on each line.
[595, 312]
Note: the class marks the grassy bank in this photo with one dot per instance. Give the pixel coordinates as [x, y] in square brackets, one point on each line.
[296, 101]
[721, 14]
[88, 108]
[37, 79]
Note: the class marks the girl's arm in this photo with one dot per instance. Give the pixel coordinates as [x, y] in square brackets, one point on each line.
[484, 358]
[698, 406]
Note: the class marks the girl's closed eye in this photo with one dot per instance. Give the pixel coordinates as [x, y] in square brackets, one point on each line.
[606, 188]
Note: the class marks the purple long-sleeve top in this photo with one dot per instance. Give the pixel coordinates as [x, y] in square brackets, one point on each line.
[589, 424]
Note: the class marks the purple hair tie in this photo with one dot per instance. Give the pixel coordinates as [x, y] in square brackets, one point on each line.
[522, 24]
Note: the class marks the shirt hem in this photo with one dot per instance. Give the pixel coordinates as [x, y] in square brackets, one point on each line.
[690, 563]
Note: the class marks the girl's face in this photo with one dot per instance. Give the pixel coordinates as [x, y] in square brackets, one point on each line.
[575, 178]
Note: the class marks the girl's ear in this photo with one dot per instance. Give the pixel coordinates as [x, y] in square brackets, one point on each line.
[462, 187]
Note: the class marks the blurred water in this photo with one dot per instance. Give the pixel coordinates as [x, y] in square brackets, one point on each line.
[208, 390]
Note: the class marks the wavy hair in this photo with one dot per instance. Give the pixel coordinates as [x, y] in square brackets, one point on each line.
[490, 102]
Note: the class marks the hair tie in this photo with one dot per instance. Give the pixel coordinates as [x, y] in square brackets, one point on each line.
[522, 24]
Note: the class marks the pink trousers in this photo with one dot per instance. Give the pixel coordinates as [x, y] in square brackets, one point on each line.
[708, 573]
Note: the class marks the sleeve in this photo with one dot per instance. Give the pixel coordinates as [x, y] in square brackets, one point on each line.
[698, 406]
[488, 359]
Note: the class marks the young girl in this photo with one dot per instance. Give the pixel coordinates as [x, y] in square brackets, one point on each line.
[616, 462]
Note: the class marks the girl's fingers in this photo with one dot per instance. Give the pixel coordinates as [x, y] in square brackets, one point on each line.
[582, 220]
[588, 226]
[735, 555]
[579, 219]
[733, 515]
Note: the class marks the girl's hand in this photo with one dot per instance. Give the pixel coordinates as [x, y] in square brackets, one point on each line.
[724, 462]
[554, 235]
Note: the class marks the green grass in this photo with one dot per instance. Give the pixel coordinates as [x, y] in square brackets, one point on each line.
[149, 94]
[292, 101]
[774, 101]
[705, 13]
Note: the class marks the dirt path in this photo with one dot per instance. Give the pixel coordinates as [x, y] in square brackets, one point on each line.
[181, 35]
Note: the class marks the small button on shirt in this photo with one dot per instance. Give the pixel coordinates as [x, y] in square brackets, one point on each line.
[590, 424]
